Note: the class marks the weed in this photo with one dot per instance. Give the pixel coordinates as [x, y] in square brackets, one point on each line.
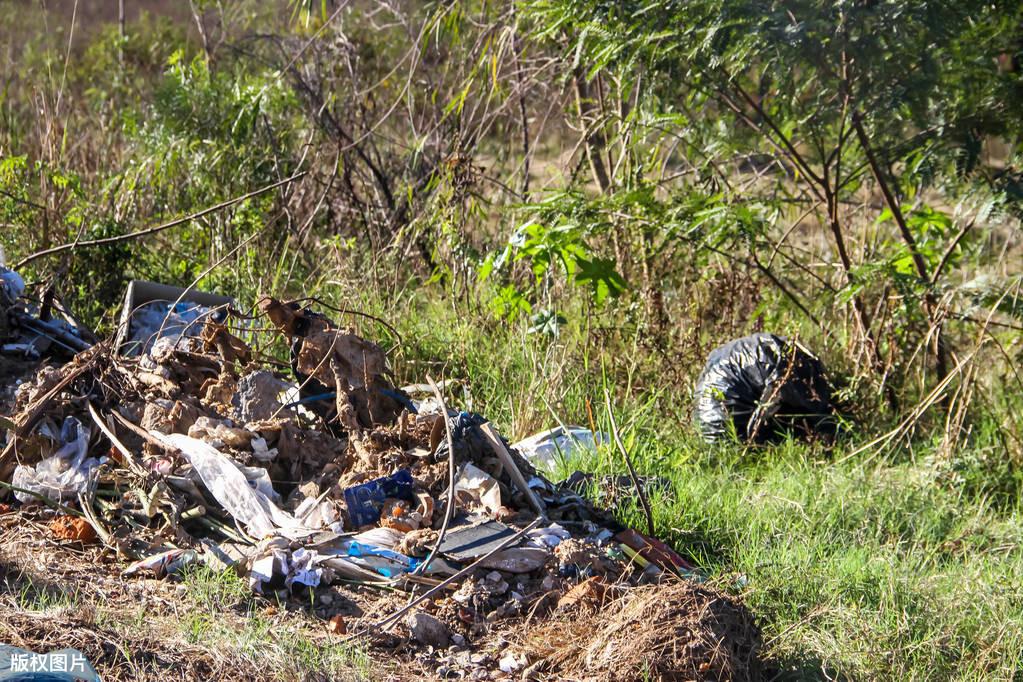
[36, 596]
[214, 591]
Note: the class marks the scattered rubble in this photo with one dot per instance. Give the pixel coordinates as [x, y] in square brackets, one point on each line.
[188, 451]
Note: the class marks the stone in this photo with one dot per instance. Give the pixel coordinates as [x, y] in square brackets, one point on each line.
[428, 630]
[517, 560]
[256, 398]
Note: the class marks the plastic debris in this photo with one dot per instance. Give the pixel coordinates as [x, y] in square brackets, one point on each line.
[249, 506]
[29, 331]
[302, 569]
[548, 537]
[165, 320]
[475, 486]
[164, 563]
[547, 448]
[366, 501]
[64, 474]
[655, 551]
[12, 286]
[760, 387]
[386, 562]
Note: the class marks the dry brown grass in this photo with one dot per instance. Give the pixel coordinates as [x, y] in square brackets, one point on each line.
[673, 631]
[118, 656]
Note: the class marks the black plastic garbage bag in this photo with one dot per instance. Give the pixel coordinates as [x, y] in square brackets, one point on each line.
[762, 386]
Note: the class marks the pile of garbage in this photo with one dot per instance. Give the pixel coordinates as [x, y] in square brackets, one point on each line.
[762, 387]
[183, 444]
[30, 330]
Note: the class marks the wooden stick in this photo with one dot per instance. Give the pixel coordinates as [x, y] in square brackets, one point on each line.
[42, 498]
[449, 510]
[142, 433]
[513, 470]
[129, 456]
[85, 502]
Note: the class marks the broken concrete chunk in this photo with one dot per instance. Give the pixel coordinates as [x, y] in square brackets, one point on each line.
[428, 630]
[169, 416]
[257, 398]
[233, 437]
[220, 432]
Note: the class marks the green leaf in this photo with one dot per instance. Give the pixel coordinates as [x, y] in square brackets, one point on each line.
[603, 278]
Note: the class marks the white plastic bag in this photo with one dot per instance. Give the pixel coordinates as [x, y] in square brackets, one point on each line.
[544, 449]
[247, 503]
[12, 286]
[65, 473]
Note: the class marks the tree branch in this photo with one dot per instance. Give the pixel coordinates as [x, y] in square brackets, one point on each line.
[159, 228]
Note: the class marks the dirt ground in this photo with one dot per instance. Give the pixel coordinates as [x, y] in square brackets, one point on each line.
[57, 595]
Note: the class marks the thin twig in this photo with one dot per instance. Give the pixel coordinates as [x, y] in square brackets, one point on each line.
[513, 470]
[42, 498]
[159, 228]
[449, 510]
[628, 462]
[85, 502]
[129, 456]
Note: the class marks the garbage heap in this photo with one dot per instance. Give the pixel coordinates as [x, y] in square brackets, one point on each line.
[204, 450]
